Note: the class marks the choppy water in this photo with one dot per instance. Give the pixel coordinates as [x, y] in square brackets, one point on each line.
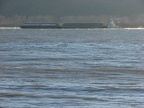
[72, 68]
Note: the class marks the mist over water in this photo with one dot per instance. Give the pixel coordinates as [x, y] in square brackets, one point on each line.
[82, 68]
[126, 13]
[74, 8]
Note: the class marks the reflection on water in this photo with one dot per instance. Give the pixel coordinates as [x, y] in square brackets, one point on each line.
[72, 68]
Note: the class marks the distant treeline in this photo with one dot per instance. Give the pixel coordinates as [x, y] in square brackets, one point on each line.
[16, 21]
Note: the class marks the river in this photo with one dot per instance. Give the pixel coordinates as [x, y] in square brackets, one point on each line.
[71, 68]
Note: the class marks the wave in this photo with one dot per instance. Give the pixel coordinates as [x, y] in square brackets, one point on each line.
[58, 96]
[9, 27]
[139, 28]
[116, 69]
[16, 95]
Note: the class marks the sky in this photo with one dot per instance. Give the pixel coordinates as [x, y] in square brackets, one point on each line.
[60, 8]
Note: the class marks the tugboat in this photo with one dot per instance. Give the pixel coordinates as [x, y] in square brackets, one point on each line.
[111, 24]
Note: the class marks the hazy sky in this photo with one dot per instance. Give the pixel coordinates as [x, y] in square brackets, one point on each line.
[71, 7]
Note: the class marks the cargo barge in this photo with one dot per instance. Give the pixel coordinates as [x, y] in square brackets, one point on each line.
[40, 26]
[63, 26]
[83, 25]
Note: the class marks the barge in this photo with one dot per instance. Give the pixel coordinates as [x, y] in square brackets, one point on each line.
[83, 25]
[40, 26]
[63, 26]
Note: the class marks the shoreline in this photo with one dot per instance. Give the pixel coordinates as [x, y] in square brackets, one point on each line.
[129, 28]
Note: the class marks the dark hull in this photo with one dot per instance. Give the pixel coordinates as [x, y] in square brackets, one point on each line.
[40, 26]
[64, 26]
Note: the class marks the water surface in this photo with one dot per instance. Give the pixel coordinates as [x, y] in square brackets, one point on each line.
[80, 68]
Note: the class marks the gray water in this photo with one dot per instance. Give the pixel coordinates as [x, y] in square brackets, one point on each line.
[80, 68]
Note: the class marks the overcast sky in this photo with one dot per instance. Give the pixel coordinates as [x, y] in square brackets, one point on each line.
[71, 7]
